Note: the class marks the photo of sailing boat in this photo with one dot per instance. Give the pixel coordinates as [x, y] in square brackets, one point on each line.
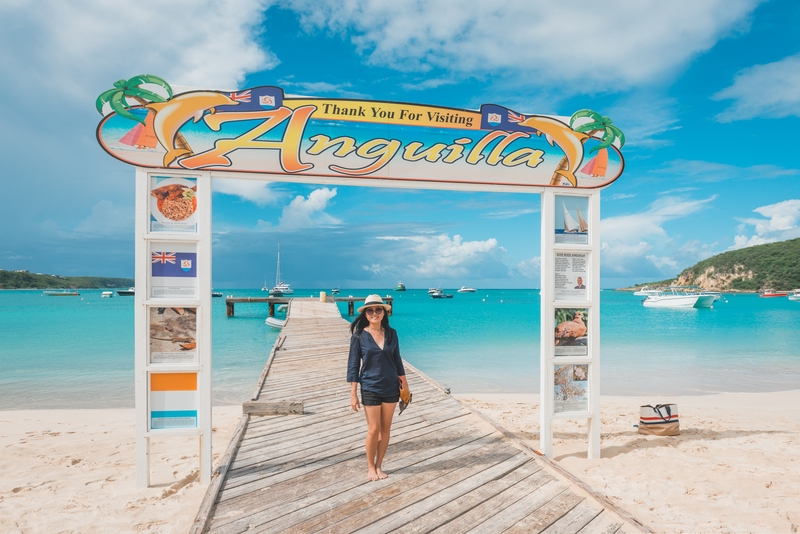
[571, 226]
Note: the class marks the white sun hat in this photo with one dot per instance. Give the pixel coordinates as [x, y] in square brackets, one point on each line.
[374, 300]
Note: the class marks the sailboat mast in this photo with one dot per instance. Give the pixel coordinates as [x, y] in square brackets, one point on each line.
[278, 272]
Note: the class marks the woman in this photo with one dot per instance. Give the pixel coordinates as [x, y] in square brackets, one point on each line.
[375, 363]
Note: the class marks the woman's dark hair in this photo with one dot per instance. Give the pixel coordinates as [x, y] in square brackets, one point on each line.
[361, 322]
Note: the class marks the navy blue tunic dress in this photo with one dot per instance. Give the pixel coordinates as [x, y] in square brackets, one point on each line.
[376, 369]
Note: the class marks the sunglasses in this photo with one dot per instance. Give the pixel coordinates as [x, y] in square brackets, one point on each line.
[374, 311]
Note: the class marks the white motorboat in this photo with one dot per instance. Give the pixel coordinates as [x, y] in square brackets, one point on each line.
[678, 298]
[275, 323]
[439, 294]
[126, 292]
[646, 291]
[107, 294]
[465, 289]
[432, 290]
[281, 288]
[794, 295]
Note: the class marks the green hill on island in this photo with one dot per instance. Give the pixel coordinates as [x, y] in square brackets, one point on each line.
[26, 280]
[774, 265]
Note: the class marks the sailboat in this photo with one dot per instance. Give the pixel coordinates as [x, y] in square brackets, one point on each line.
[281, 288]
[571, 225]
[598, 165]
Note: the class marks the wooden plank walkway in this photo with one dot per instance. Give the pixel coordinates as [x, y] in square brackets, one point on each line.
[449, 470]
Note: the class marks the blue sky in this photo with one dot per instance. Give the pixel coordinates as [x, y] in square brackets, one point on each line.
[707, 93]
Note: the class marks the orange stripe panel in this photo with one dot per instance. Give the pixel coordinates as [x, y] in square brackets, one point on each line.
[173, 382]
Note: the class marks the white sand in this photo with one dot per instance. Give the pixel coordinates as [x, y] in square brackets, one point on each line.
[75, 471]
[734, 468]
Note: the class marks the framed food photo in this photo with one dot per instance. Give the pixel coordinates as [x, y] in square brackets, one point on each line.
[173, 204]
[571, 388]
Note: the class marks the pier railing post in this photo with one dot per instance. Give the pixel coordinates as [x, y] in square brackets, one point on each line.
[229, 309]
[271, 311]
[351, 308]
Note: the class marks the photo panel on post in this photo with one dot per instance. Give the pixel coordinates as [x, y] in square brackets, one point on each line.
[173, 270]
[571, 334]
[571, 214]
[571, 275]
[571, 388]
[173, 401]
[173, 205]
[173, 335]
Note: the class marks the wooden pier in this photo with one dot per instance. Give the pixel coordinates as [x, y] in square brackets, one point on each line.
[449, 469]
[272, 301]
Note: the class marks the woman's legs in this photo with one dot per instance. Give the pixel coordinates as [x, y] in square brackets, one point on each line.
[373, 414]
[387, 412]
[379, 425]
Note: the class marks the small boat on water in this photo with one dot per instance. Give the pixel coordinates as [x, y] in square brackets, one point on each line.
[216, 293]
[439, 294]
[335, 291]
[646, 291]
[770, 293]
[795, 295]
[275, 323]
[281, 288]
[400, 286]
[432, 290]
[107, 294]
[677, 297]
[63, 293]
[465, 289]
[126, 292]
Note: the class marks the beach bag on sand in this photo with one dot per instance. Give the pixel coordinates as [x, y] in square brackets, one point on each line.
[659, 420]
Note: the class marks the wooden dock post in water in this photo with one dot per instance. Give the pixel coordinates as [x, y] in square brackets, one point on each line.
[449, 470]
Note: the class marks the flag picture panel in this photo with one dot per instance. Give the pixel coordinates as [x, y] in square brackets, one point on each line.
[173, 401]
[173, 270]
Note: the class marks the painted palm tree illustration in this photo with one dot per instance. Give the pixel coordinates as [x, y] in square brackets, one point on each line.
[596, 124]
[117, 98]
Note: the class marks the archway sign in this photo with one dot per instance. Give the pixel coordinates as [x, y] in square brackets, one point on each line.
[179, 142]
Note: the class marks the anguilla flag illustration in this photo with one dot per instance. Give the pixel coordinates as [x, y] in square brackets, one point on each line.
[497, 117]
[174, 264]
[256, 99]
[173, 400]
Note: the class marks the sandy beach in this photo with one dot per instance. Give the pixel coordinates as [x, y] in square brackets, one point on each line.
[734, 468]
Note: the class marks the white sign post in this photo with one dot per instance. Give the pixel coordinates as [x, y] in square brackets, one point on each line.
[172, 313]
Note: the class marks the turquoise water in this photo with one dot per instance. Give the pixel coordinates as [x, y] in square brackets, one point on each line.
[78, 351]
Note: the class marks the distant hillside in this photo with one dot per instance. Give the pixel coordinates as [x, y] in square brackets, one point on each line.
[24, 280]
[774, 265]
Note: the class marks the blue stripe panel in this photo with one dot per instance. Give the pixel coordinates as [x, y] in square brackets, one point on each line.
[175, 413]
[160, 420]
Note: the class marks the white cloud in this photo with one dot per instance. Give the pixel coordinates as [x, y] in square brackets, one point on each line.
[770, 90]
[309, 212]
[509, 214]
[710, 171]
[643, 117]
[439, 255]
[84, 46]
[621, 196]
[530, 268]
[627, 239]
[781, 222]
[107, 219]
[323, 88]
[547, 41]
[260, 193]
[431, 83]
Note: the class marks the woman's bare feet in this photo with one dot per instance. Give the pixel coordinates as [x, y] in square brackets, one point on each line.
[373, 475]
[381, 474]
